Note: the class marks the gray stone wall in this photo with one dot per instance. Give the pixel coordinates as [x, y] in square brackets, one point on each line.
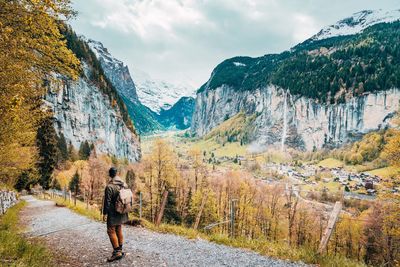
[7, 200]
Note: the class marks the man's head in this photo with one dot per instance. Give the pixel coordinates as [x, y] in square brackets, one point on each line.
[112, 172]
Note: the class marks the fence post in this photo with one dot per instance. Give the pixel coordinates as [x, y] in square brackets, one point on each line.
[140, 205]
[232, 224]
[331, 224]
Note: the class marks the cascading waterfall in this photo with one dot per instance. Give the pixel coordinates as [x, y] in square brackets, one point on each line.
[284, 130]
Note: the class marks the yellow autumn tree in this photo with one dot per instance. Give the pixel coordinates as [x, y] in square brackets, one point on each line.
[391, 204]
[31, 50]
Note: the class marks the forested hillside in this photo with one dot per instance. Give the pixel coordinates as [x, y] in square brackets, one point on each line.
[349, 65]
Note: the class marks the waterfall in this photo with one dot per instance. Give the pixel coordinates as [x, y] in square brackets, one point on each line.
[284, 130]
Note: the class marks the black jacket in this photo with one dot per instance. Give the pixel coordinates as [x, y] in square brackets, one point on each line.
[110, 197]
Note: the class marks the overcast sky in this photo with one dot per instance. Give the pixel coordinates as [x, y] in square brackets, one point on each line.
[183, 40]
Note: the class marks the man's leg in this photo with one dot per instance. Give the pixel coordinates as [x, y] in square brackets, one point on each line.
[118, 230]
[111, 231]
[112, 234]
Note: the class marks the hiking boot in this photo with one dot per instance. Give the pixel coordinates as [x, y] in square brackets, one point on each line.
[117, 255]
[120, 250]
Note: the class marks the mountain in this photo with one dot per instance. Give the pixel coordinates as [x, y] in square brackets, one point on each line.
[114, 69]
[356, 23]
[324, 92]
[158, 94]
[144, 119]
[90, 109]
[179, 116]
[148, 101]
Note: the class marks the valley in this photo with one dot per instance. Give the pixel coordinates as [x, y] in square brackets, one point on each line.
[294, 156]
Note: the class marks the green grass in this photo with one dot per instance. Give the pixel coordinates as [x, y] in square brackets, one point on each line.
[331, 163]
[385, 172]
[16, 250]
[229, 149]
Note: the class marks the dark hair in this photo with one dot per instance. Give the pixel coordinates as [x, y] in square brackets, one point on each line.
[112, 172]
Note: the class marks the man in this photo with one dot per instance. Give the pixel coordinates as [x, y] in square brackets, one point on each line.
[113, 218]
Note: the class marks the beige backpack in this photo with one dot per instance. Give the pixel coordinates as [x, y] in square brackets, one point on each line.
[124, 203]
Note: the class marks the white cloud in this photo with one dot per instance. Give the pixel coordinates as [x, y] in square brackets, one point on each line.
[305, 27]
[179, 40]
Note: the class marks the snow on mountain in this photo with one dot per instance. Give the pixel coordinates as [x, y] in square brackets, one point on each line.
[357, 23]
[158, 94]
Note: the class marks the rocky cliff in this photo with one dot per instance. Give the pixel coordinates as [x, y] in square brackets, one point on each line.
[90, 108]
[285, 120]
[83, 113]
[115, 70]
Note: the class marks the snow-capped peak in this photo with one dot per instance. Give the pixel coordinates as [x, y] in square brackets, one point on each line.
[158, 94]
[153, 93]
[357, 23]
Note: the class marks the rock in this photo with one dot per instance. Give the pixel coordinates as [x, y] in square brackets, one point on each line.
[7, 200]
[83, 113]
[286, 120]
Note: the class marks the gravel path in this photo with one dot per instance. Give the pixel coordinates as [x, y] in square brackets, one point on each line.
[85, 243]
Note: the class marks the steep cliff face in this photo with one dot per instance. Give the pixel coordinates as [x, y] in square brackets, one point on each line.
[83, 113]
[115, 70]
[284, 120]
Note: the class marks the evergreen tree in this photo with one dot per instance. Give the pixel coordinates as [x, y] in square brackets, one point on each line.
[74, 184]
[72, 153]
[189, 219]
[48, 152]
[55, 184]
[62, 147]
[171, 214]
[84, 150]
[22, 182]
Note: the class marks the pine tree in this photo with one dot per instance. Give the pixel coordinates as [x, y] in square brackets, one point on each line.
[171, 214]
[84, 150]
[48, 152]
[22, 182]
[62, 147]
[72, 153]
[74, 184]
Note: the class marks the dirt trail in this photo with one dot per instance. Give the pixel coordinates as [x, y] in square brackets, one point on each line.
[85, 243]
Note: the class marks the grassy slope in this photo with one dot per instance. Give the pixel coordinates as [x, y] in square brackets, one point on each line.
[216, 141]
[331, 163]
[14, 249]
[385, 172]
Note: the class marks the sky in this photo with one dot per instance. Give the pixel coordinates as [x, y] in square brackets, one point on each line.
[182, 41]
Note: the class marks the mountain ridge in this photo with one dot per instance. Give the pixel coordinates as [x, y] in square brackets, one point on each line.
[145, 118]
